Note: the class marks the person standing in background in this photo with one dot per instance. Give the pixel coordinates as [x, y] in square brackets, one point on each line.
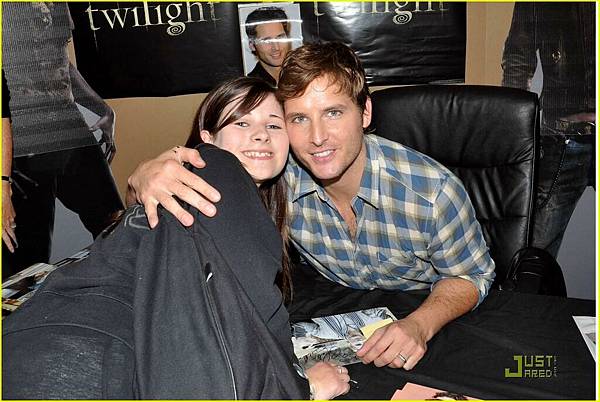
[8, 211]
[55, 153]
[564, 36]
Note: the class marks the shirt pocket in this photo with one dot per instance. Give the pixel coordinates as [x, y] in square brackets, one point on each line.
[398, 265]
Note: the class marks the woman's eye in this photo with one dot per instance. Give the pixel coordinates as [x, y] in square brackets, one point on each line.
[273, 127]
[241, 124]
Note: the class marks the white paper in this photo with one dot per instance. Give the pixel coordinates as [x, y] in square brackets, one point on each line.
[587, 327]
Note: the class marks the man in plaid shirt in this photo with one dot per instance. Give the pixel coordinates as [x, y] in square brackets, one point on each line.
[364, 211]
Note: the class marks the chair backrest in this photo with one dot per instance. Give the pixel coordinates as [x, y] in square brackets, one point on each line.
[488, 136]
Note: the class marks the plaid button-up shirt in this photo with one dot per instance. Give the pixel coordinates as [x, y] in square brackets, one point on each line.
[415, 225]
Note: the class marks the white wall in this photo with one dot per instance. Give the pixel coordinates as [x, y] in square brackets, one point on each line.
[577, 255]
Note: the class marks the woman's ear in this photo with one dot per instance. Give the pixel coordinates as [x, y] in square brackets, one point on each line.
[206, 137]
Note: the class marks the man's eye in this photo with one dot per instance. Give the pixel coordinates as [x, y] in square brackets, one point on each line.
[298, 119]
[334, 113]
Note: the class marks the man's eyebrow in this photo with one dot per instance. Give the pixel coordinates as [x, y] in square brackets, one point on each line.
[333, 107]
[294, 114]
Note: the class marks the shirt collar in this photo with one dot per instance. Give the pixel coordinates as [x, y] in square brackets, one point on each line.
[305, 184]
[369, 184]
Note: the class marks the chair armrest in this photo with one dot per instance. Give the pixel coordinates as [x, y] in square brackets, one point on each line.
[534, 270]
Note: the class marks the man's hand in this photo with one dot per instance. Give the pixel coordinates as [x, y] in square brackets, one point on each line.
[403, 343]
[400, 344]
[8, 218]
[156, 181]
[106, 124]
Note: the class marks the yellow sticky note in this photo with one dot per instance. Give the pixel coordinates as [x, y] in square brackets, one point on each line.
[368, 330]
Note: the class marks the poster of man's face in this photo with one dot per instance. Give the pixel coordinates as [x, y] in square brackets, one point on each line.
[268, 32]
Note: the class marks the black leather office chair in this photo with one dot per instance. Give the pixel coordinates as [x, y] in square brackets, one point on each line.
[487, 136]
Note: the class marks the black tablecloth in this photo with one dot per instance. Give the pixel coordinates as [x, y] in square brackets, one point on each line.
[469, 355]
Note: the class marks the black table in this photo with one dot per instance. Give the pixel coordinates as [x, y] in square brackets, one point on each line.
[471, 354]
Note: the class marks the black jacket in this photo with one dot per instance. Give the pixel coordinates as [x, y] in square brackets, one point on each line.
[260, 72]
[564, 34]
[169, 313]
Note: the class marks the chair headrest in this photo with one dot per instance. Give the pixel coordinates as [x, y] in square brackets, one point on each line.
[458, 125]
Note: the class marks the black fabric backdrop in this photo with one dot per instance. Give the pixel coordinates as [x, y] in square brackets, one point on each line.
[131, 49]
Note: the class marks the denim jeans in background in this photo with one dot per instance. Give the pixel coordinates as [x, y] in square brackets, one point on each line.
[566, 168]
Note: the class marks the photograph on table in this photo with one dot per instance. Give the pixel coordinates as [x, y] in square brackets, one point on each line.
[21, 286]
[336, 338]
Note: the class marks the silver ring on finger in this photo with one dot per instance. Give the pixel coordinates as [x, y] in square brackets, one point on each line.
[13, 225]
[399, 356]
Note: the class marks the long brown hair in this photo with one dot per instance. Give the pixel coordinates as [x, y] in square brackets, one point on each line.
[247, 93]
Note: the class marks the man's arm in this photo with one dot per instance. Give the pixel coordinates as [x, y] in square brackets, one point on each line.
[459, 253]
[85, 95]
[408, 337]
[158, 181]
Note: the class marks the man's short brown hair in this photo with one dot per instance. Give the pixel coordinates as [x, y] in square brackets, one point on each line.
[333, 60]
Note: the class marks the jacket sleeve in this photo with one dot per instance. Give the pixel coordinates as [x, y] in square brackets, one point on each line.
[519, 58]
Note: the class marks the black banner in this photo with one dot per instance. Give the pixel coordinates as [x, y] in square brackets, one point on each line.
[164, 49]
[399, 43]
